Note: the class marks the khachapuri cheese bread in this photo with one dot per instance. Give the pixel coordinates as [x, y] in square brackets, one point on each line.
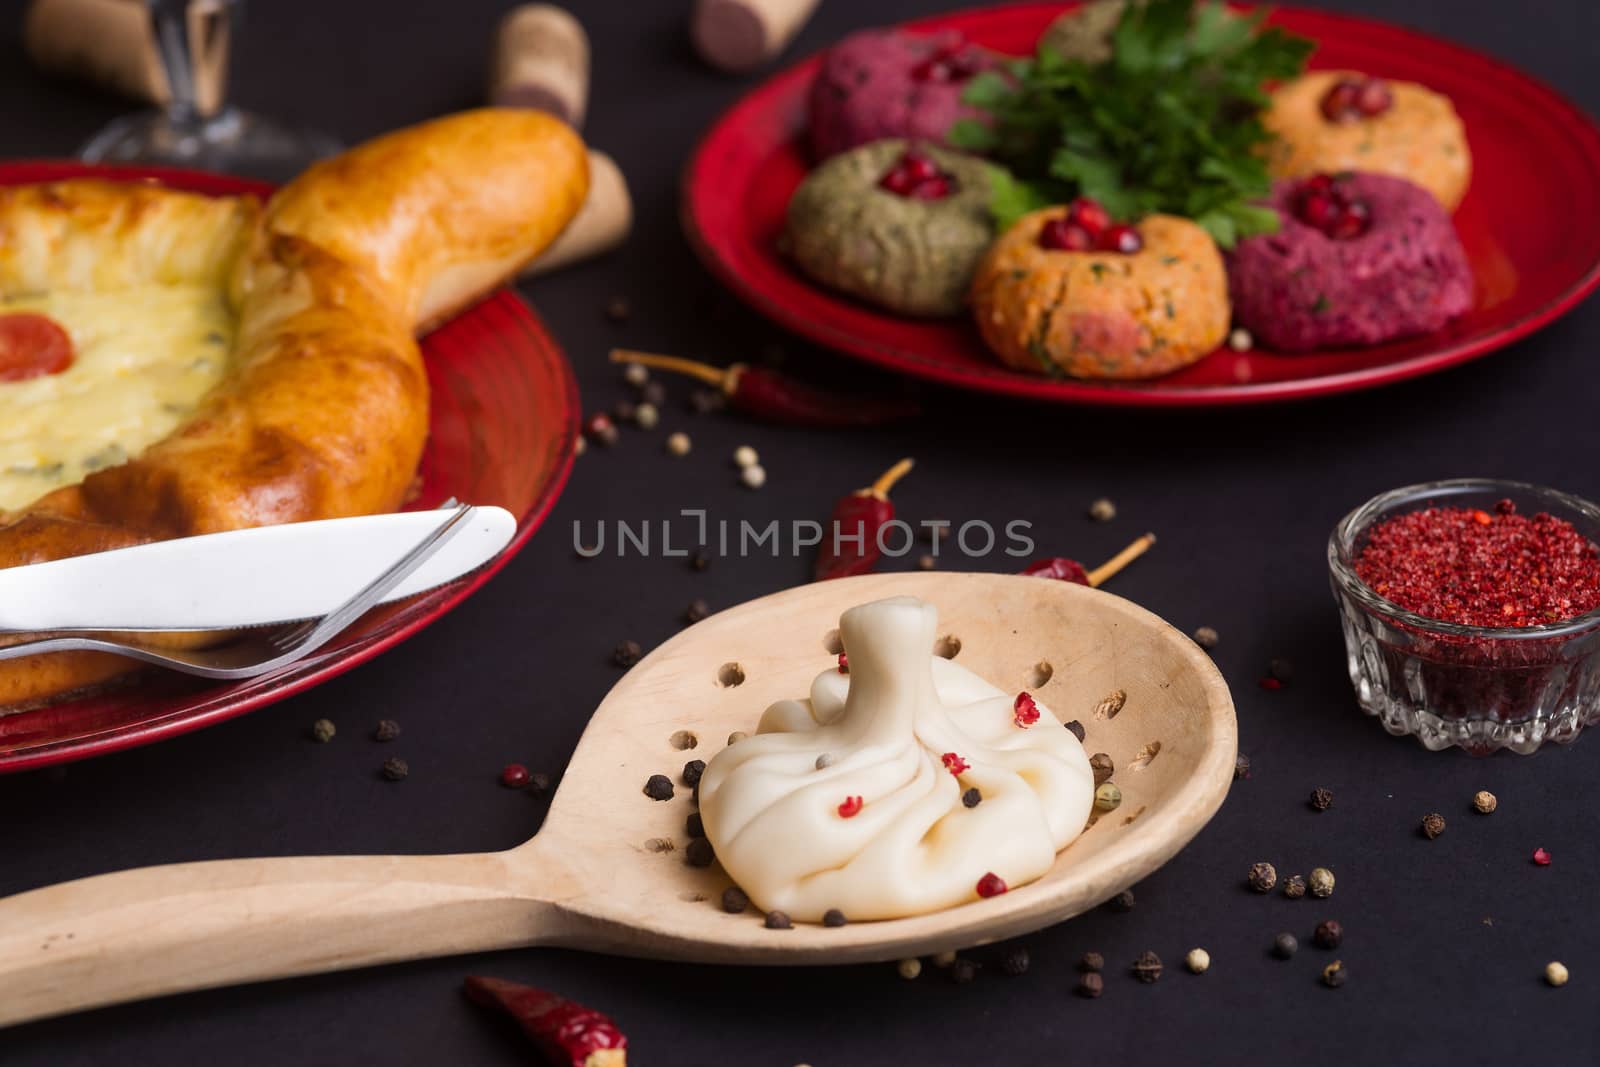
[905, 786]
[174, 364]
[898, 225]
[877, 84]
[1067, 291]
[1358, 259]
[1338, 120]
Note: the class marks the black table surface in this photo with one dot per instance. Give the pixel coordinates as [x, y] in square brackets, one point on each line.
[1446, 940]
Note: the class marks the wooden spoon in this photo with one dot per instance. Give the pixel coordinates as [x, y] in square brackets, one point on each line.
[607, 871]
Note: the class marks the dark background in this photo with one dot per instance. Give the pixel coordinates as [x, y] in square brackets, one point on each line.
[1445, 941]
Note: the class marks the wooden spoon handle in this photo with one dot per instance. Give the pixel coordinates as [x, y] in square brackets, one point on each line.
[158, 930]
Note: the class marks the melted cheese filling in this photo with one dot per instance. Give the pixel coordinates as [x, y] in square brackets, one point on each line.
[143, 358]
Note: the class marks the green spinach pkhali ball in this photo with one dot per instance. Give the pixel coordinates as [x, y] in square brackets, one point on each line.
[898, 225]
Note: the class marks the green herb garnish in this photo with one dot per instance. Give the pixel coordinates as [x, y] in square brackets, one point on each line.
[1171, 123]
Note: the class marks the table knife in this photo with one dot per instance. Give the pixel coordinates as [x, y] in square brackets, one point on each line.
[261, 576]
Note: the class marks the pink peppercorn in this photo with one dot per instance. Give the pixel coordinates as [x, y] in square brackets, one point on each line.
[1025, 710]
[953, 763]
[991, 885]
[514, 776]
[850, 808]
[1541, 857]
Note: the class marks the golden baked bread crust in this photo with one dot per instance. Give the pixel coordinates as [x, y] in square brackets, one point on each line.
[325, 412]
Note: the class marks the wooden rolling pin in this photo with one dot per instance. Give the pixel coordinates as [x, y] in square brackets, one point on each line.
[111, 43]
[740, 35]
[600, 225]
[541, 60]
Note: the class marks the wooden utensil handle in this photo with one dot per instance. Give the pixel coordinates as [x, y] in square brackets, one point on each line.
[159, 930]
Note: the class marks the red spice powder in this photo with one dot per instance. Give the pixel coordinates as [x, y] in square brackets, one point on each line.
[1466, 566]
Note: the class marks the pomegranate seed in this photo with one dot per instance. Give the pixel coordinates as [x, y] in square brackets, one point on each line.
[1339, 103]
[1025, 711]
[897, 181]
[1059, 235]
[991, 885]
[1121, 238]
[934, 188]
[1089, 214]
[514, 776]
[953, 763]
[1319, 183]
[844, 663]
[1541, 857]
[1318, 209]
[919, 167]
[1374, 97]
[1352, 221]
[850, 808]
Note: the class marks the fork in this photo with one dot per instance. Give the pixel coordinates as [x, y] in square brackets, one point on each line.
[262, 652]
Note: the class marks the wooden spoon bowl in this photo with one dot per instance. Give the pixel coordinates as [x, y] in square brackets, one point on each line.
[608, 871]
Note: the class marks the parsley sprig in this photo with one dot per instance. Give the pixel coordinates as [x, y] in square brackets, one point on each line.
[1171, 123]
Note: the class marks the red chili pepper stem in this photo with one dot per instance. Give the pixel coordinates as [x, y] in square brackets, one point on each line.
[727, 379]
[1111, 566]
[566, 1032]
[879, 490]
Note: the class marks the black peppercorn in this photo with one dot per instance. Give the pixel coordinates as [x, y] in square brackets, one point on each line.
[705, 401]
[1432, 825]
[1294, 887]
[1147, 968]
[1123, 901]
[1321, 799]
[1101, 765]
[1262, 877]
[694, 826]
[538, 783]
[395, 769]
[1015, 961]
[1284, 946]
[699, 853]
[658, 787]
[387, 730]
[1333, 975]
[962, 971]
[1328, 934]
[1092, 961]
[777, 920]
[1091, 985]
[624, 410]
[1241, 766]
[972, 798]
[617, 309]
[626, 654]
[697, 610]
[734, 900]
[1077, 729]
[654, 394]
[693, 770]
[833, 917]
[699, 560]
[1281, 669]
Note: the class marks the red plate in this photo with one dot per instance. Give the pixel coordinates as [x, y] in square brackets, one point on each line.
[1530, 148]
[503, 425]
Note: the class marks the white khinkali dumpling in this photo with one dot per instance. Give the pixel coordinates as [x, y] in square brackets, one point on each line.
[772, 809]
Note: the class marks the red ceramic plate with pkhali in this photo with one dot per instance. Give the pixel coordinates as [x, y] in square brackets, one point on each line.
[1530, 147]
[503, 427]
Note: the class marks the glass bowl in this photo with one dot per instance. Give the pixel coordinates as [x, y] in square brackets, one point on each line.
[1479, 688]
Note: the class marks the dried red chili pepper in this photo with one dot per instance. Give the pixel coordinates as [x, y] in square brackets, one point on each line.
[566, 1032]
[1070, 570]
[850, 544]
[772, 396]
